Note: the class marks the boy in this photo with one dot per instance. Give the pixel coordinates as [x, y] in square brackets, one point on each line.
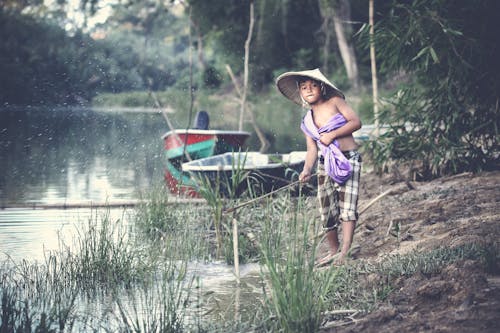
[328, 127]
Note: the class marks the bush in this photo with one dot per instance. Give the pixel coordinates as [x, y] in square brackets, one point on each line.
[446, 118]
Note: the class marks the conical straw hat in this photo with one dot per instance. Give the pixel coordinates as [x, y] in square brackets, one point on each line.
[287, 84]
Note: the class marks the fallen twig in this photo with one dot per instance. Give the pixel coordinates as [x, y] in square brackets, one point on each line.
[373, 201]
[337, 312]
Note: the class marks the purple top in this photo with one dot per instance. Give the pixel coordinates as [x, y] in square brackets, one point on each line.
[337, 166]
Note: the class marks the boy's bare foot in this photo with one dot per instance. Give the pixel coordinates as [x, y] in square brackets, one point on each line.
[340, 260]
[330, 257]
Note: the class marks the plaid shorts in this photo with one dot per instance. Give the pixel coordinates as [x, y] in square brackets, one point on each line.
[339, 202]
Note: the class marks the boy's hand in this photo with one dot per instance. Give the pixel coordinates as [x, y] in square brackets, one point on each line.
[304, 176]
[327, 138]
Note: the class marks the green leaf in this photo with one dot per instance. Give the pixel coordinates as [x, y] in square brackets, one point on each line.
[453, 32]
[420, 53]
[434, 55]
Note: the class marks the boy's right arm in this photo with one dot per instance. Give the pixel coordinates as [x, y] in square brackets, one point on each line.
[311, 157]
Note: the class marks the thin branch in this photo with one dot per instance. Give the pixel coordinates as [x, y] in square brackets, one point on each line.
[191, 93]
[245, 72]
[169, 124]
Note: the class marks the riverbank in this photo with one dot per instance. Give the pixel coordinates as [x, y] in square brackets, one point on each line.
[455, 219]
[426, 258]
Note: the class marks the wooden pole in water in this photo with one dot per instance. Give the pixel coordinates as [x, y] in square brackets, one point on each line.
[236, 251]
[90, 204]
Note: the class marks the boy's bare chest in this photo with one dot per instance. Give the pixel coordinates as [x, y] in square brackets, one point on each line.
[322, 117]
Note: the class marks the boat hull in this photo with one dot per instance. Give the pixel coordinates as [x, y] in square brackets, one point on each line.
[236, 174]
[193, 144]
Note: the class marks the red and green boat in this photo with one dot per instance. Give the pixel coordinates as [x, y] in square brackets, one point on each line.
[182, 145]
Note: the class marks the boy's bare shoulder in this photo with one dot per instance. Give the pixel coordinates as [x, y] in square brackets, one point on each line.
[337, 100]
[335, 103]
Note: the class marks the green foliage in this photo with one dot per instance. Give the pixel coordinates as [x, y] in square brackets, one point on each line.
[432, 262]
[212, 78]
[297, 292]
[154, 217]
[282, 31]
[105, 254]
[446, 118]
[214, 190]
[47, 66]
[166, 299]
[211, 192]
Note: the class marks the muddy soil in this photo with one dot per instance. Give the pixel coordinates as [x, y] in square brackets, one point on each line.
[452, 211]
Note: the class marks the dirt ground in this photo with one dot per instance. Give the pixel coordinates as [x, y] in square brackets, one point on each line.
[420, 216]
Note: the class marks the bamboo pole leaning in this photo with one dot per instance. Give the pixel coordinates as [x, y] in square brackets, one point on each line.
[373, 68]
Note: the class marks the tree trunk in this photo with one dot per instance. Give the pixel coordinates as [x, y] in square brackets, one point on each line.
[341, 19]
[242, 93]
[328, 39]
[199, 39]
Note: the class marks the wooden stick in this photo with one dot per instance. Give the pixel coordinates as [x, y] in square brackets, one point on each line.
[336, 312]
[236, 251]
[191, 92]
[371, 203]
[377, 198]
[90, 204]
[245, 67]
[232, 209]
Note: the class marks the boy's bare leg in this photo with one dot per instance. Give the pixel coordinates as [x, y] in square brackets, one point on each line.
[333, 241]
[333, 244]
[347, 236]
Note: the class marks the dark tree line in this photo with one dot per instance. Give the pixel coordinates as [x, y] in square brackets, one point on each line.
[41, 64]
[145, 47]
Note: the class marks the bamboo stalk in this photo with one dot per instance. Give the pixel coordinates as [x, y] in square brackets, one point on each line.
[373, 68]
[191, 93]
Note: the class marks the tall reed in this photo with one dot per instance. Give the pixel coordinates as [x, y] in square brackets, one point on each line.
[297, 292]
[106, 263]
[153, 216]
[37, 297]
[159, 304]
[104, 252]
[216, 189]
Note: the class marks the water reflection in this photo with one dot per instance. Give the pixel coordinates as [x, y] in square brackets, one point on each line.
[63, 156]
[77, 155]
[49, 156]
[32, 234]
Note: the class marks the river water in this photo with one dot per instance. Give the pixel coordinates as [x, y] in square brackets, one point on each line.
[78, 158]
[70, 156]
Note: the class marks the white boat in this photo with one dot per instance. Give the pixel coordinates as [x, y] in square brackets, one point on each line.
[254, 172]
